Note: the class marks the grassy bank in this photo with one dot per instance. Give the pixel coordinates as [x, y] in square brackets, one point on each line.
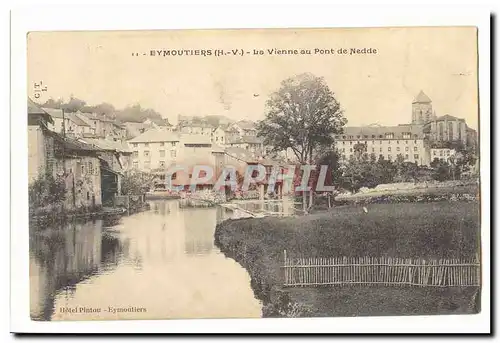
[410, 230]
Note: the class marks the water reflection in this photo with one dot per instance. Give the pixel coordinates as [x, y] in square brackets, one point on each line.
[163, 259]
[63, 256]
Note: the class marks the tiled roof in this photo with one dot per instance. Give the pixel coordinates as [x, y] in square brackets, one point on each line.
[74, 117]
[155, 135]
[374, 132]
[421, 98]
[106, 144]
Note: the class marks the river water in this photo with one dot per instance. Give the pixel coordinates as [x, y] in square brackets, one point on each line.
[157, 264]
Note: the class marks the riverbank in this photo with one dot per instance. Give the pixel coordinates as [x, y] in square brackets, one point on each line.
[56, 215]
[409, 230]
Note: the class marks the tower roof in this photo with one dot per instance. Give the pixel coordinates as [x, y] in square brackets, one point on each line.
[421, 98]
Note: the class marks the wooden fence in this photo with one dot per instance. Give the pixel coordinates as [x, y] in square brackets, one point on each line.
[388, 271]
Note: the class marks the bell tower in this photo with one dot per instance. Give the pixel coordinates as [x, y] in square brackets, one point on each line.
[421, 109]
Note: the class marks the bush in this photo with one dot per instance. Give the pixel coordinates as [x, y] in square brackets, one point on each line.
[46, 191]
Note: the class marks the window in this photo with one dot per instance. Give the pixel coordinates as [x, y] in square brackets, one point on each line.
[174, 143]
[407, 157]
[373, 149]
[146, 153]
[162, 153]
[350, 142]
[435, 153]
[389, 149]
[359, 136]
[146, 145]
[397, 142]
[415, 141]
[162, 164]
[83, 169]
[373, 136]
[91, 168]
[88, 195]
[373, 142]
[415, 148]
[407, 149]
[135, 154]
[406, 135]
[173, 153]
[398, 149]
[162, 143]
[389, 135]
[380, 142]
[343, 137]
[380, 149]
[380, 136]
[350, 150]
[343, 149]
[440, 152]
[135, 145]
[343, 142]
[136, 165]
[147, 164]
[415, 156]
[365, 136]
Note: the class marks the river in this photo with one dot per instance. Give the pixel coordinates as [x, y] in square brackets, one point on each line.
[157, 264]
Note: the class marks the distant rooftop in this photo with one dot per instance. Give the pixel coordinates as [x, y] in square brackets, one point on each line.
[155, 135]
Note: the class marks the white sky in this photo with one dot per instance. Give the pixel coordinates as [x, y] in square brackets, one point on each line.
[99, 67]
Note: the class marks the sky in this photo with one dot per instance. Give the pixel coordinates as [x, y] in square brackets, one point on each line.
[117, 67]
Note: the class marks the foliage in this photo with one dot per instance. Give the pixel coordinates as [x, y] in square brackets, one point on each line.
[45, 191]
[303, 115]
[133, 113]
[137, 182]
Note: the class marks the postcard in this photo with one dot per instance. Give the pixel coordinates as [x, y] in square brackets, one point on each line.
[253, 173]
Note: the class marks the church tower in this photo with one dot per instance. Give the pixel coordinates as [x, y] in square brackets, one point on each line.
[422, 109]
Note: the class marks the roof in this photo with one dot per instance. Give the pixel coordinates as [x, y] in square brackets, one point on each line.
[448, 117]
[246, 140]
[83, 118]
[72, 144]
[54, 112]
[155, 135]
[106, 144]
[77, 120]
[421, 98]
[95, 116]
[34, 109]
[74, 117]
[159, 121]
[246, 124]
[241, 154]
[374, 132]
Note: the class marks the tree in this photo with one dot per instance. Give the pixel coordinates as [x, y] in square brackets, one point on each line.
[135, 182]
[73, 105]
[102, 109]
[303, 115]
